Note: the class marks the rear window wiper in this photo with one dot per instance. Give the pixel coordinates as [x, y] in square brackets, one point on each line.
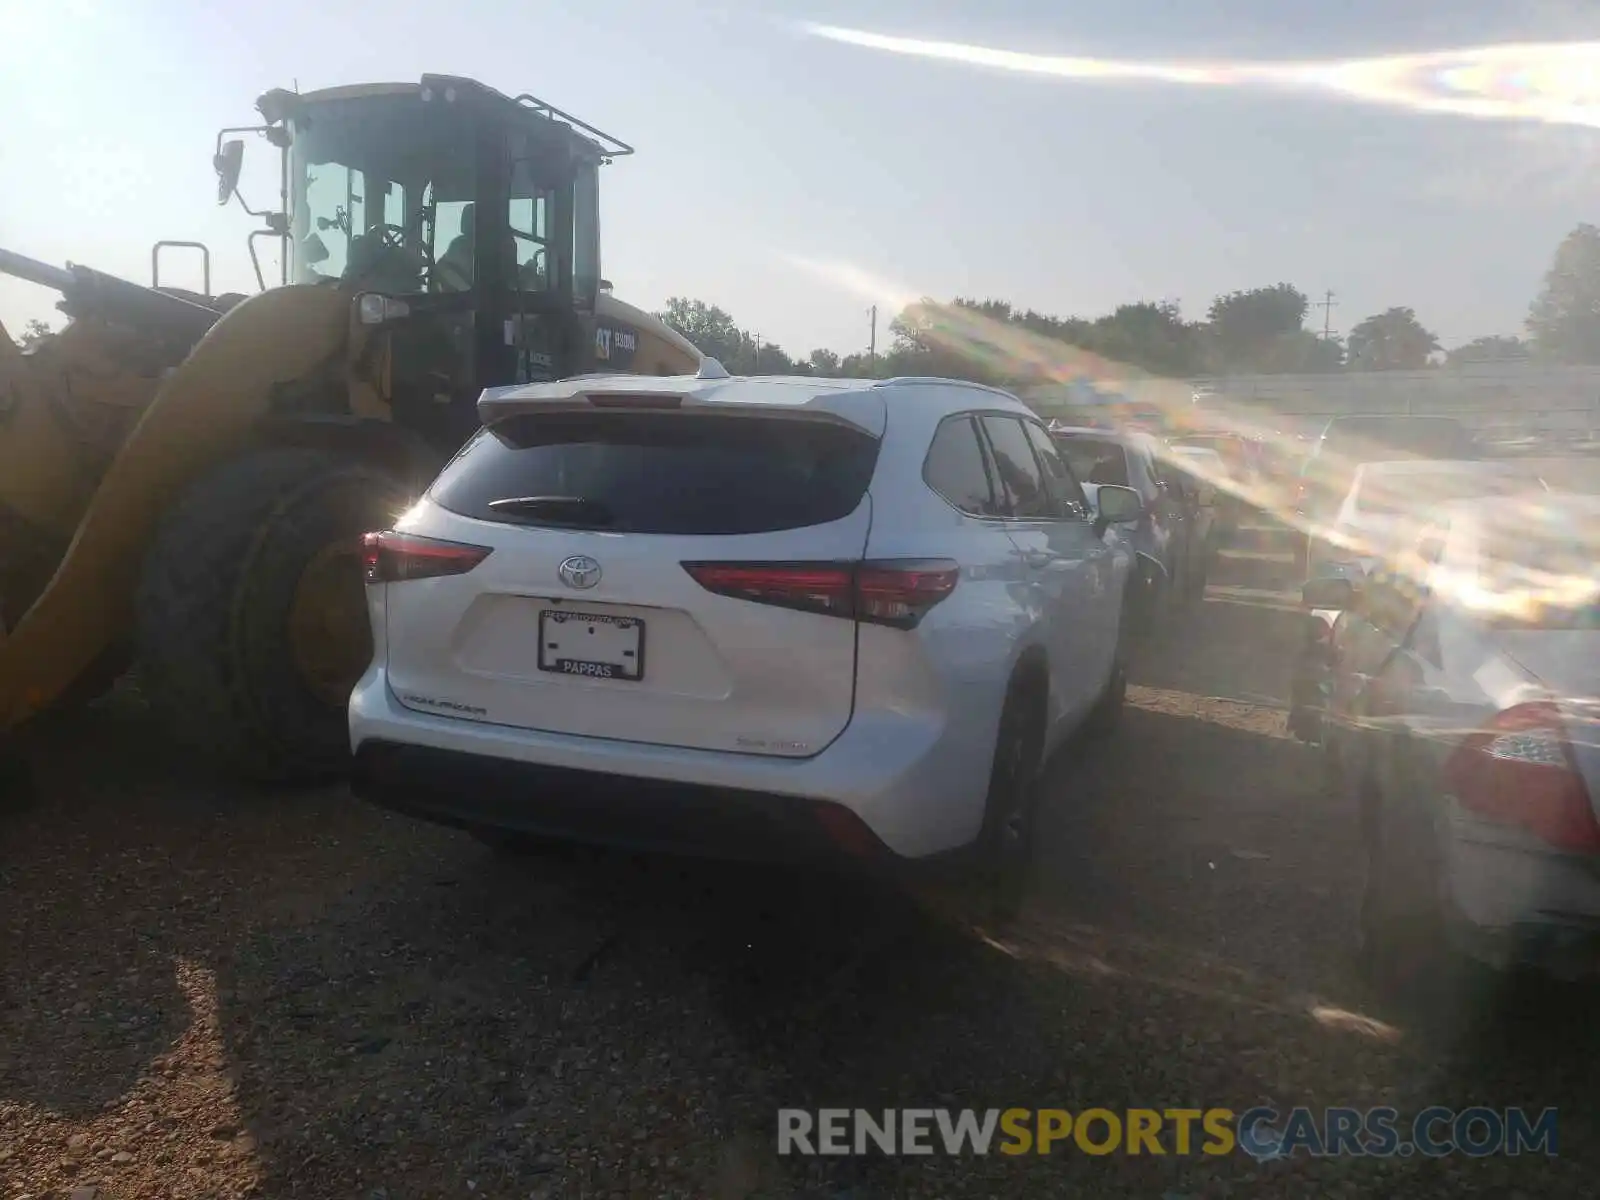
[556, 510]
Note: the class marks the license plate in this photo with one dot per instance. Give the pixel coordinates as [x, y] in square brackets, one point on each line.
[591, 645]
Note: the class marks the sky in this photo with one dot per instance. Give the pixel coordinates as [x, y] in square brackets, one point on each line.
[796, 179]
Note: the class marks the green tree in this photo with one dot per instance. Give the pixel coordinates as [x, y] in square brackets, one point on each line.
[1564, 320]
[1243, 328]
[1489, 349]
[822, 362]
[34, 332]
[1153, 337]
[1393, 340]
[1301, 352]
[712, 331]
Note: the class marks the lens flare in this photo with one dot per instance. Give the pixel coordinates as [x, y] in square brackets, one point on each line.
[1553, 82]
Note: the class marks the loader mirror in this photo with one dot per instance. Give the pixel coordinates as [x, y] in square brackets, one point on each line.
[227, 163]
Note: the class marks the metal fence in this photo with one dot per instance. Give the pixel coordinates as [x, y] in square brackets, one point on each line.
[1507, 401]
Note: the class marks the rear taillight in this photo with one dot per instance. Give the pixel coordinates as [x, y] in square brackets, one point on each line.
[1519, 770]
[391, 557]
[895, 592]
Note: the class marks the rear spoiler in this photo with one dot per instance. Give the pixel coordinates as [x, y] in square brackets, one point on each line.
[712, 390]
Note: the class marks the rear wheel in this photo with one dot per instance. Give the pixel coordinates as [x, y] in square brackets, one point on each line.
[252, 625]
[1011, 807]
[1404, 947]
[1106, 715]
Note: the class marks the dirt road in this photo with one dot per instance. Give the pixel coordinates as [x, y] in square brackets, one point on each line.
[208, 994]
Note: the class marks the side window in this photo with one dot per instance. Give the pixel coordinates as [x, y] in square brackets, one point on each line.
[956, 470]
[454, 222]
[1063, 489]
[1168, 478]
[1017, 469]
[1390, 601]
[529, 218]
[1424, 637]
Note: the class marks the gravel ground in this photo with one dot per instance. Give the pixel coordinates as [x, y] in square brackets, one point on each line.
[208, 994]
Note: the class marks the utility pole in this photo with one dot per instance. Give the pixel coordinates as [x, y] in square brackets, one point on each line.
[872, 342]
[1327, 306]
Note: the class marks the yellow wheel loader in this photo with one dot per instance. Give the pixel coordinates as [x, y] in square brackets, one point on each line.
[184, 478]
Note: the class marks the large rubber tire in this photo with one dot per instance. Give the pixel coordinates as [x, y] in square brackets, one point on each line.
[1404, 949]
[1106, 716]
[1011, 807]
[216, 658]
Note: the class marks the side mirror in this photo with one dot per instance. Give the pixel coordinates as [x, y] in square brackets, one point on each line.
[1119, 505]
[227, 163]
[1115, 505]
[1328, 592]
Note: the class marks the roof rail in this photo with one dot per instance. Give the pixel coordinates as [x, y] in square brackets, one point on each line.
[611, 147]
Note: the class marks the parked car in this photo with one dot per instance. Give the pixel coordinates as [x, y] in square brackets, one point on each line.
[1463, 715]
[1215, 486]
[1348, 441]
[1243, 456]
[1386, 500]
[1172, 540]
[744, 618]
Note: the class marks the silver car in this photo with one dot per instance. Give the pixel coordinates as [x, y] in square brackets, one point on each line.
[743, 617]
[1465, 719]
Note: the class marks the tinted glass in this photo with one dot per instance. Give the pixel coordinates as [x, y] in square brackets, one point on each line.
[1095, 460]
[1064, 491]
[1018, 470]
[667, 473]
[955, 468]
[1541, 570]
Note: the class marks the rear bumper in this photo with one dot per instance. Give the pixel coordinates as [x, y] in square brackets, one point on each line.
[1513, 906]
[478, 791]
[889, 787]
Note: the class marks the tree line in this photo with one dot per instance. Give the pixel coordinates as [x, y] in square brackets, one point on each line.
[1257, 331]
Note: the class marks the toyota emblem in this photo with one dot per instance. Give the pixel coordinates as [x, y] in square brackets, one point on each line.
[579, 571]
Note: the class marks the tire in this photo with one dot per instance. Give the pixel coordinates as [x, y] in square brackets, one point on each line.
[217, 658]
[1011, 805]
[98, 678]
[1403, 944]
[1302, 557]
[1106, 715]
[1146, 602]
[509, 844]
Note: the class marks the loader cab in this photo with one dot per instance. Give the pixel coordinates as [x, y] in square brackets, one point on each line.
[464, 224]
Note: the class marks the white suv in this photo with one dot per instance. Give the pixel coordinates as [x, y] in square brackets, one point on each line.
[742, 616]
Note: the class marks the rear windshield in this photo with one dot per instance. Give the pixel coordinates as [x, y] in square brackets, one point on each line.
[1095, 460]
[1540, 573]
[665, 473]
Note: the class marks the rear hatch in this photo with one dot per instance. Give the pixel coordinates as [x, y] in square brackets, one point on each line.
[584, 618]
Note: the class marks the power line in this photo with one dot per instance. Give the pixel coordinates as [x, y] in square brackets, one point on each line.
[1327, 306]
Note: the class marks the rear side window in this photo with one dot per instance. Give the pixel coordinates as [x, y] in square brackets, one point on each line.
[955, 468]
[1096, 460]
[1018, 470]
[1064, 491]
[663, 473]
